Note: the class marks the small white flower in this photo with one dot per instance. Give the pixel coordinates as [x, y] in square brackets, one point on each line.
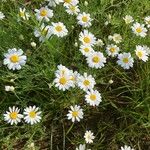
[141, 53]
[75, 114]
[100, 43]
[62, 70]
[86, 50]
[89, 137]
[14, 59]
[87, 38]
[74, 77]
[72, 2]
[147, 21]
[112, 50]
[12, 116]
[44, 13]
[33, 44]
[9, 88]
[44, 32]
[84, 19]
[2, 16]
[147, 49]
[96, 60]
[53, 3]
[128, 19]
[23, 14]
[59, 29]
[81, 147]
[86, 3]
[116, 38]
[111, 82]
[86, 82]
[93, 97]
[125, 60]
[32, 115]
[126, 148]
[72, 9]
[139, 29]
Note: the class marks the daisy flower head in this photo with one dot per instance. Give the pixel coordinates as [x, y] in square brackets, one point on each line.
[147, 21]
[126, 148]
[117, 38]
[59, 29]
[71, 2]
[44, 13]
[139, 29]
[86, 82]
[147, 49]
[43, 33]
[32, 115]
[100, 43]
[89, 137]
[23, 14]
[96, 60]
[14, 59]
[53, 3]
[72, 9]
[93, 97]
[74, 77]
[112, 50]
[62, 70]
[141, 53]
[128, 19]
[75, 114]
[81, 147]
[86, 50]
[9, 88]
[125, 60]
[87, 38]
[2, 16]
[13, 116]
[84, 19]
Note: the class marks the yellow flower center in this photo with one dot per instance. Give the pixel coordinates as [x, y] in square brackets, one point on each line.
[125, 60]
[87, 39]
[86, 49]
[112, 49]
[86, 82]
[96, 59]
[44, 32]
[22, 14]
[67, 1]
[72, 8]
[93, 97]
[72, 78]
[58, 28]
[139, 54]
[62, 81]
[32, 114]
[75, 113]
[139, 30]
[14, 58]
[13, 115]
[84, 19]
[43, 12]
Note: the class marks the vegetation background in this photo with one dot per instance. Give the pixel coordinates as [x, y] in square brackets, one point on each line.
[124, 115]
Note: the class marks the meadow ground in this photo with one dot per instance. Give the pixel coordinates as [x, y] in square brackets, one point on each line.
[123, 116]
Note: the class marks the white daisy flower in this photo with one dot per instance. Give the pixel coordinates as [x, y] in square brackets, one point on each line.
[72, 2]
[44, 13]
[23, 14]
[147, 21]
[72, 9]
[125, 60]
[74, 77]
[2, 16]
[147, 49]
[62, 70]
[59, 29]
[75, 114]
[86, 50]
[14, 59]
[141, 53]
[53, 3]
[86, 82]
[139, 29]
[89, 137]
[96, 60]
[126, 148]
[84, 19]
[32, 115]
[112, 50]
[87, 38]
[93, 97]
[44, 32]
[12, 116]
[128, 19]
[116, 38]
[100, 43]
[81, 147]
[9, 88]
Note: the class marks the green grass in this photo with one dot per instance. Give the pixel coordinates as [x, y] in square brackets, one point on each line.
[124, 115]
